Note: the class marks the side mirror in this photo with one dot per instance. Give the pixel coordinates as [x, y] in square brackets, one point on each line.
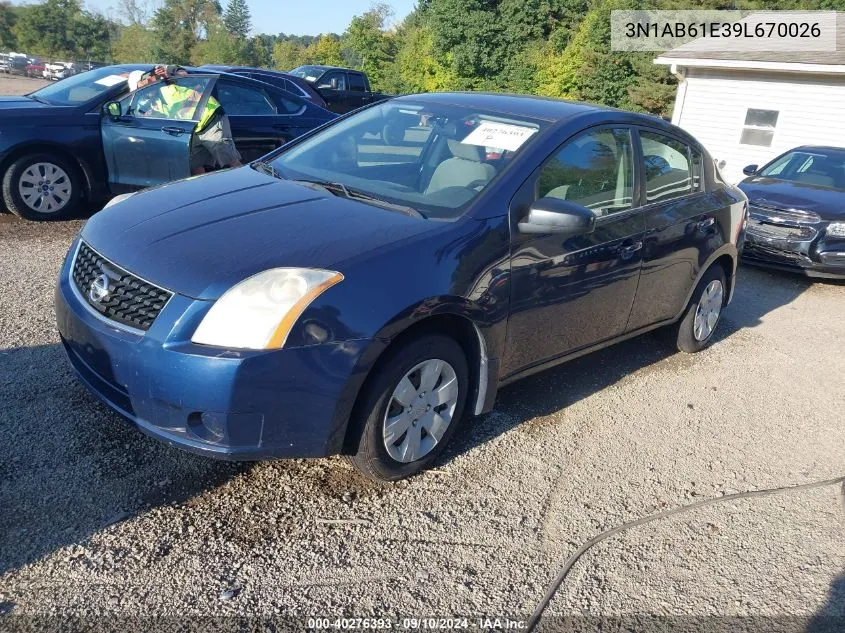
[553, 215]
[113, 109]
[750, 170]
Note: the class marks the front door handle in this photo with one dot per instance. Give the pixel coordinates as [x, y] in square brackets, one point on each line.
[630, 249]
[173, 131]
[705, 224]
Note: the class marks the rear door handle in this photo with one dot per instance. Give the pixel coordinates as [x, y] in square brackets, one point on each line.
[705, 224]
[631, 248]
[173, 131]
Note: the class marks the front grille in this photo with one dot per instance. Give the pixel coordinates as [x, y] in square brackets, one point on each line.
[781, 232]
[795, 217]
[115, 293]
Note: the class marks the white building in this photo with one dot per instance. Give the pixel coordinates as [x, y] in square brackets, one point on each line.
[746, 108]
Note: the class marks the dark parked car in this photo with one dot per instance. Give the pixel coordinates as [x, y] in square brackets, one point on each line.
[797, 212]
[291, 83]
[345, 297]
[58, 147]
[343, 89]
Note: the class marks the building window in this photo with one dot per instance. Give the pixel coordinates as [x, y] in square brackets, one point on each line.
[759, 128]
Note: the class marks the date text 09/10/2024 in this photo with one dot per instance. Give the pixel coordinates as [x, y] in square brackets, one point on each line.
[416, 624]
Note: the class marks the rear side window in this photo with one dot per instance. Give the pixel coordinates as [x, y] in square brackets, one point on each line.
[595, 170]
[239, 100]
[667, 170]
[356, 82]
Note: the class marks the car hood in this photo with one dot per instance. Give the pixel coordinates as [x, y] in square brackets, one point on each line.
[21, 103]
[200, 236]
[781, 194]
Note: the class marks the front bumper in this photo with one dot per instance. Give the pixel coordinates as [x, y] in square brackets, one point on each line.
[235, 405]
[805, 250]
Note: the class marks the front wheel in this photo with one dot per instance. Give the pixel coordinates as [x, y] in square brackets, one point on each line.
[42, 187]
[410, 410]
[695, 330]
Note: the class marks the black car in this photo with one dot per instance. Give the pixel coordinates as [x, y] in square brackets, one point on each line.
[346, 296]
[293, 84]
[797, 212]
[343, 89]
[85, 139]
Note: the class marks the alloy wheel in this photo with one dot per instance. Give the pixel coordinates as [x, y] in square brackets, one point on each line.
[45, 187]
[420, 410]
[708, 311]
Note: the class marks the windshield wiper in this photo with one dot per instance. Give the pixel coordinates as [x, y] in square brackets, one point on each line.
[266, 168]
[339, 189]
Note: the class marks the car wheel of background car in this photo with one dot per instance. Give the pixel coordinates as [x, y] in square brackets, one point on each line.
[409, 411]
[695, 330]
[41, 187]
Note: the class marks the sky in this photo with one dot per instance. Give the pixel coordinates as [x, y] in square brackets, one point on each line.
[299, 17]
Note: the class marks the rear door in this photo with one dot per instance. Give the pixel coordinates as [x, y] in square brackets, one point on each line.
[145, 146]
[681, 221]
[359, 95]
[261, 118]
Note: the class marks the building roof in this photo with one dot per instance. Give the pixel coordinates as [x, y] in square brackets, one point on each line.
[709, 52]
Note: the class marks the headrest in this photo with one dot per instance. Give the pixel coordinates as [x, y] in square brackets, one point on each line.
[134, 77]
[465, 150]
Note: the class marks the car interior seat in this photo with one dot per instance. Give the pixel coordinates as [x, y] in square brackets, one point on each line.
[466, 168]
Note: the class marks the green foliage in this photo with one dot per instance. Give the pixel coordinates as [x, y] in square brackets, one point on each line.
[61, 29]
[179, 25]
[135, 44]
[8, 18]
[287, 55]
[373, 49]
[237, 19]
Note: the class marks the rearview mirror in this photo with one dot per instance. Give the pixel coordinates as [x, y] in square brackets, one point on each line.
[750, 170]
[113, 109]
[553, 215]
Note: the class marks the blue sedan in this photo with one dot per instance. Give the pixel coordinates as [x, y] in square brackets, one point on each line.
[59, 148]
[348, 295]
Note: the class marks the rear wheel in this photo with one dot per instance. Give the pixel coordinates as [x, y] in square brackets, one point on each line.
[42, 187]
[695, 330]
[410, 410]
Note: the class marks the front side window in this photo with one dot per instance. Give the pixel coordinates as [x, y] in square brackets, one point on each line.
[433, 157]
[238, 100]
[175, 99]
[759, 127]
[595, 170]
[333, 80]
[666, 167]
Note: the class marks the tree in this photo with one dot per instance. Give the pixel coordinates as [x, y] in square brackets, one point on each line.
[220, 48]
[325, 50]
[237, 19]
[288, 55]
[8, 17]
[178, 26]
[48, 28]
[372, 46]
[135, 44]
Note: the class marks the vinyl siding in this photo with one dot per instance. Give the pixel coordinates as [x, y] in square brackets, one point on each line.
[714, 103]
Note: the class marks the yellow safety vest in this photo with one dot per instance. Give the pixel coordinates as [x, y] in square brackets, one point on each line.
[180, 102]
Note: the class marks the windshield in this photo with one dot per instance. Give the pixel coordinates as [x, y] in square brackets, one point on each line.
[307, 72]
[820, 168]
[434, 158]
[83, 87]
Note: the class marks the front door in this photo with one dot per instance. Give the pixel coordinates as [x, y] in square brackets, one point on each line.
[571, 292]
[150, 143]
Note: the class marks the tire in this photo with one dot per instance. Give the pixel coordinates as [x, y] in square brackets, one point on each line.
[419, 418]
[695, 330]
[46, 170]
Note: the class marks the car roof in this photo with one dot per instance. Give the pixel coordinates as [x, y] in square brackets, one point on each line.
[816, 148]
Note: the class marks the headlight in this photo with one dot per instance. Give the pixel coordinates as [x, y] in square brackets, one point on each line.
[259, 312]
[836, 229]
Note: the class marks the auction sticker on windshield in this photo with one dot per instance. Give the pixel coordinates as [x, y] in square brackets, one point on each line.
[501, 135]
[110, 80]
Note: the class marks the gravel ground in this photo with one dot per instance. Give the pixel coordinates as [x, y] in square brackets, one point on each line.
[14, 85]
[98, 520]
